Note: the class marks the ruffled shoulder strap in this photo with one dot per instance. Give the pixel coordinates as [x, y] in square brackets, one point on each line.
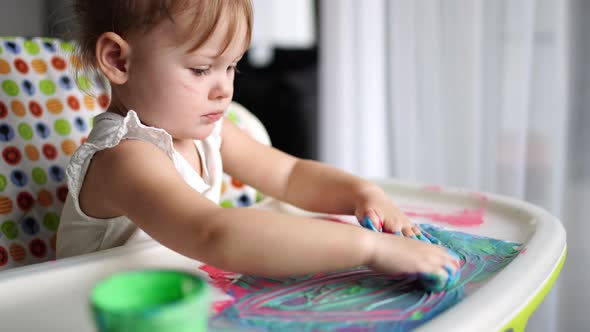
[108, 131]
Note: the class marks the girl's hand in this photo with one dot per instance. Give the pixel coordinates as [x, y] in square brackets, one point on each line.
[394, 255]
[383, 214]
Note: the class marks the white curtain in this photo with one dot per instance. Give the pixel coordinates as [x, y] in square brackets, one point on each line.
[464, 93]
[287, 24]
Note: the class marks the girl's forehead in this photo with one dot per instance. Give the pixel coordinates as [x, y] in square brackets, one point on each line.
[179, 34]
[223, 41]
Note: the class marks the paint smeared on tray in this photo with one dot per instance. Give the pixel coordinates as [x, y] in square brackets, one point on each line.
[356, 299]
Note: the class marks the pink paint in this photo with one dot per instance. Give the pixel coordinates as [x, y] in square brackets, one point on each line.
[479, 196]
[220, 279]
[466, 217]
[219, 306]
[303, 315]
[433, 188]
[523, 250]
[341, 277]
[323, 299]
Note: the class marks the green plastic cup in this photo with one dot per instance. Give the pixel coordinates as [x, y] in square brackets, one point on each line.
[153, 300]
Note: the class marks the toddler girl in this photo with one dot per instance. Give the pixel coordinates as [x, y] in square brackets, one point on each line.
[152, 165]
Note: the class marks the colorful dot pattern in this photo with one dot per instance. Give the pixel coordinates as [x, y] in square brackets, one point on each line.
[44, 117]
[233, 192]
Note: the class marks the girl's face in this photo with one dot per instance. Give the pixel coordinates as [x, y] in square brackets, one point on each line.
[182, 92]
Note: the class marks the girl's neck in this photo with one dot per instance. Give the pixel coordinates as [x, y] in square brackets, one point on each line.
[116, 106]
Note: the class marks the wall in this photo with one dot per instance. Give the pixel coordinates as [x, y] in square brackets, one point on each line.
[22, 18]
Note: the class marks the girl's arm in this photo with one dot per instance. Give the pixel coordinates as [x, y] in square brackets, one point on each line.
[308, 184]
[305, 183]
[158, 200]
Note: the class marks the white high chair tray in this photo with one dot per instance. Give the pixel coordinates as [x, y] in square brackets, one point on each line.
[53, 296]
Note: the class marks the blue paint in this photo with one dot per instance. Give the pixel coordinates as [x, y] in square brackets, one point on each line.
[434, 282]
[366, 223]
[358, 299]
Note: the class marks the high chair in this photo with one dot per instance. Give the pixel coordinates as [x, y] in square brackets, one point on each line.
[44, 117]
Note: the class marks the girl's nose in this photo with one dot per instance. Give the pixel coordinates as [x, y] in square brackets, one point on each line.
[223, 87]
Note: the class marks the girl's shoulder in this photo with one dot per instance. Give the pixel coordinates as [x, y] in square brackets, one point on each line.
[129, 166]
[110, 129]
[112, 144]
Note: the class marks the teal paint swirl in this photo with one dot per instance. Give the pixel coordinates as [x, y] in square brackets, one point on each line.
[359, 299]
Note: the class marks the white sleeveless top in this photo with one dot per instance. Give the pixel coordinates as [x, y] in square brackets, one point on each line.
[78, 233]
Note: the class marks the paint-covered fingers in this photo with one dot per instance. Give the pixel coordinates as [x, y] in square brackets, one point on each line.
[452, 265]
[455, 259]
[377, 212]
[370, 220]
[429, 237]
[435, 267]
[446, 275]
[420, 234]
[453, 269]
[399, 224]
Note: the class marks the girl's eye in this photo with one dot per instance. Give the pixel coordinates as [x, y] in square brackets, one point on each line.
[200, 71]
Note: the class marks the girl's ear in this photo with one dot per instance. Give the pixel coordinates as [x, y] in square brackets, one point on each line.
[112, 57]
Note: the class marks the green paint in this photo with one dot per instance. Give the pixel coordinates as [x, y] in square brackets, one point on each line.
[47, 87]
[10, 229]
[39, 175]
[25, 131]
[31, 47]
[417, 315]
[10, 88]
[62, 127]
[51, 221]
[337, 293]
[355, 289]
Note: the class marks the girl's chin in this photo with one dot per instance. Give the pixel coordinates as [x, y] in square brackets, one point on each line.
[196, 133]
[202, 133]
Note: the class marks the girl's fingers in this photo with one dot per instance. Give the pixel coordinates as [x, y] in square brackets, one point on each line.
[419, 234]
[423, 238]
[398, 226]
[431, 238]
[368, 224]
[408, 231]
[372, 221]
[456, 258]
[392, 227]
[416, 230]
[376, 223]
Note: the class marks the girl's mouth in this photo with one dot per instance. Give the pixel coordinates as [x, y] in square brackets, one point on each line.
[212, 117]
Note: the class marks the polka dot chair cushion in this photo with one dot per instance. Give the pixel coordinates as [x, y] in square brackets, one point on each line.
[44, 117]
[233, 192]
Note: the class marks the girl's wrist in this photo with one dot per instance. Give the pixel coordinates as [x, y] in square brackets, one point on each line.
[367, 193]
[368, 242]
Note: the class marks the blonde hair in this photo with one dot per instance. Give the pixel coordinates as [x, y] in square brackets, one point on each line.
[140, 16]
